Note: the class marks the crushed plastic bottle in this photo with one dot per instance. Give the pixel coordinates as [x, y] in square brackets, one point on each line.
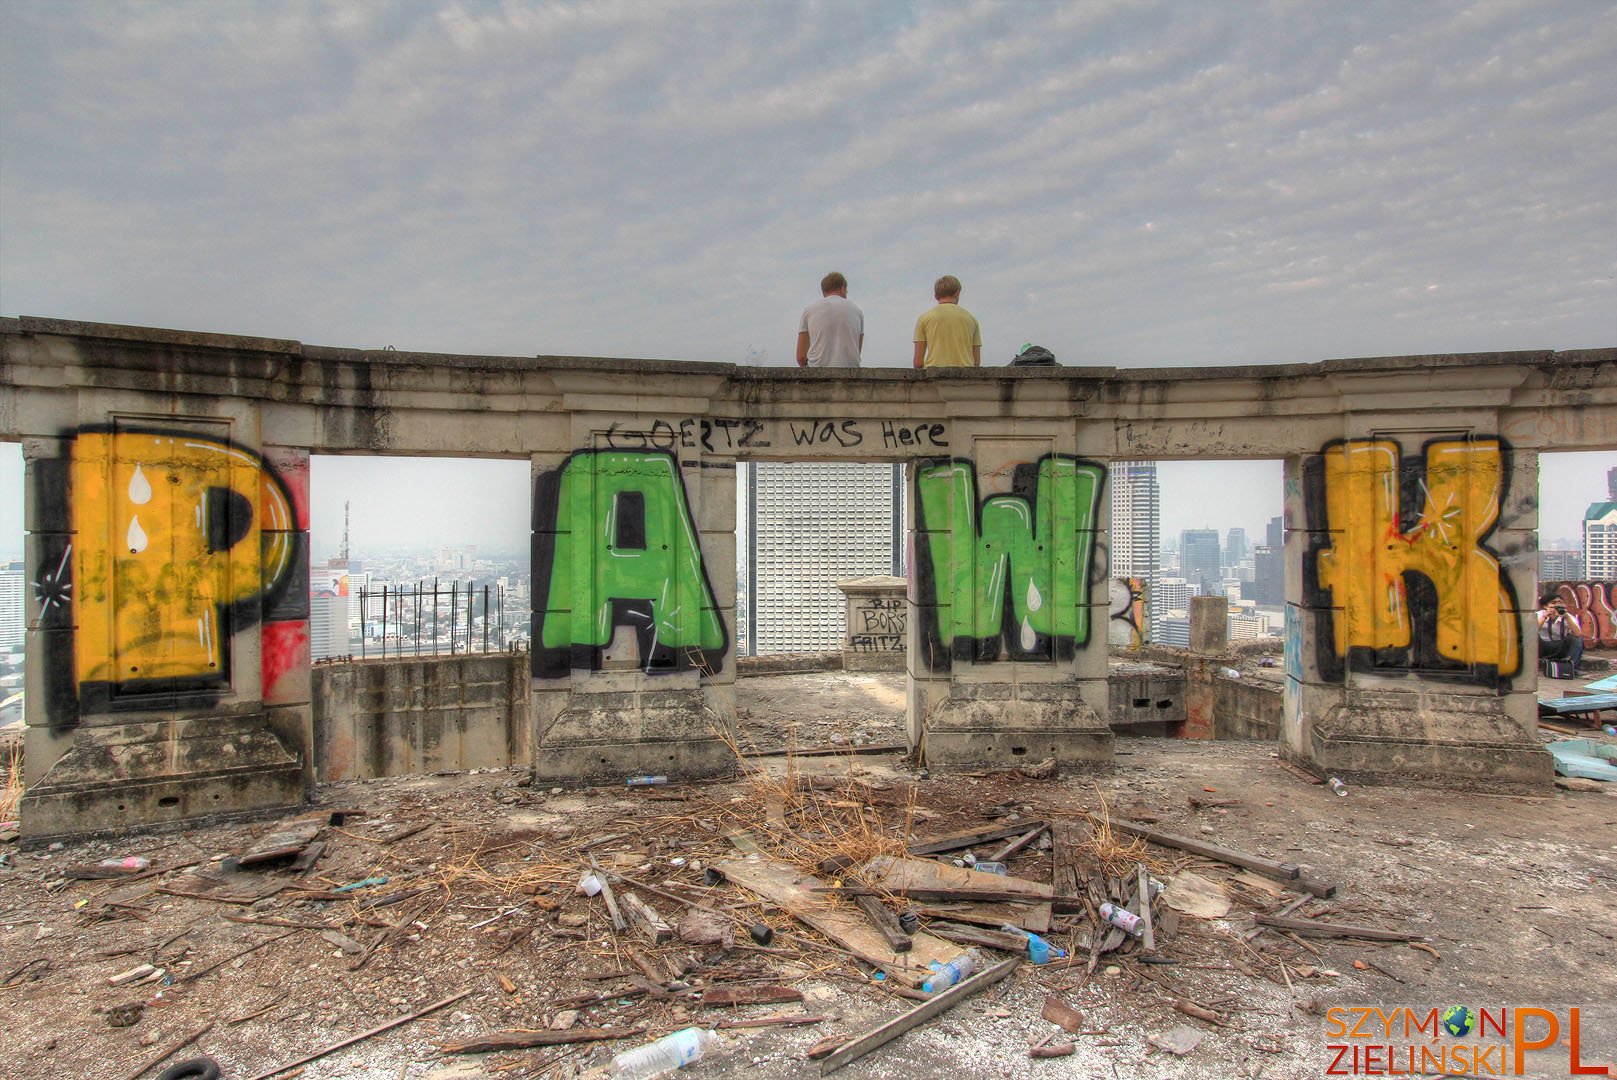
[946, 975]
[1039, 951]
[645, 781]
[1337, 786]
[665, 1055]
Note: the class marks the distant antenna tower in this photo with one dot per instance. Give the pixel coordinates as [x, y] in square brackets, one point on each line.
[344, 555]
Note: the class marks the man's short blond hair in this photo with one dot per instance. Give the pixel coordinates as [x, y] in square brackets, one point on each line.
[947, 285]
[831, 282]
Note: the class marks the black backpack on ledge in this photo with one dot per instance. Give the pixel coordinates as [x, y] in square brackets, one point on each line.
[1034, 356]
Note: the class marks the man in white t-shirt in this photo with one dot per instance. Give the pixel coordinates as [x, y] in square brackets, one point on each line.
[832, 329]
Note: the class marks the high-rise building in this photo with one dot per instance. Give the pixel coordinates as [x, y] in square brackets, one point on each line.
[1199, 554]
[1268, 578]
[1136, 507]
[1560, 565]
[328, 625]
[805, 527]
[11, 607]
[1234, 547]
[1600, 535]
[1275, 534]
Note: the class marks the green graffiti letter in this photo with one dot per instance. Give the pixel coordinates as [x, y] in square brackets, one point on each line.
[619, 548]
[1025, 555]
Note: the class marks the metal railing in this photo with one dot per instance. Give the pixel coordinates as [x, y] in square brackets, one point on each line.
[431, 620]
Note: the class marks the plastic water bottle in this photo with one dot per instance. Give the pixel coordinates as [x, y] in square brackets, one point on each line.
[946, 975]
[666, 1054]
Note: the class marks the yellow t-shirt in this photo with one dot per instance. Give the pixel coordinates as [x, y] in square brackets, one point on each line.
[950, 332]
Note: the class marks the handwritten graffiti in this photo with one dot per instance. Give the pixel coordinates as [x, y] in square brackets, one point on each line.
[1401, 561]
[1131, 604]
[615, 546]
[718, 434]
[1009, 576]
[877, 624]
[173, 542]
[1594, 605]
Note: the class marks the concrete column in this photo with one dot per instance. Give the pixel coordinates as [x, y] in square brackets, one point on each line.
[150, 697]
[634, 584]
[1009, 601]
[1409, 577]
[874, 638]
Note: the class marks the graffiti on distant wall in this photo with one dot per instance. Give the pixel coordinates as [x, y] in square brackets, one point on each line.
[1401, 559]
[616, 549]
[878, 624]
[1006, 577]
[1594, 605]
[1130, 624]
[156, 546]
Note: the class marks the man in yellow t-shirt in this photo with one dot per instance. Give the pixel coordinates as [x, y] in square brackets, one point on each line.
[947, 335]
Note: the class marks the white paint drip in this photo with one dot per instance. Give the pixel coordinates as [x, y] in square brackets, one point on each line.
[1030, 637]
[137, 535]
[1034, 600]
[140, 490]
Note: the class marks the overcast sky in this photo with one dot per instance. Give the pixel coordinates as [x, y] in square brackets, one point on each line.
[1125, 183]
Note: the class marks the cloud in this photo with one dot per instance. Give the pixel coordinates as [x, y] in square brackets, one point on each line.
[1138, 184]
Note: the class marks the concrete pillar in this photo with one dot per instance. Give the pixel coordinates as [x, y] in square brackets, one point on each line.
[634, 585]
[167, 663]
[1209, 624]
[1009, 601]
[874, 638]
[1409, 581]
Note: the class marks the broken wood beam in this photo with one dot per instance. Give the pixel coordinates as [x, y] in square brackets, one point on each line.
[1021, 842]
[961, 934]
[523, 1040]
[1319, 929]
[651, 925]
[1256, 863]
[618, 922]
[363, 1035]
[954, 841]
[917, 1016]
[735, 996]
[885, 922]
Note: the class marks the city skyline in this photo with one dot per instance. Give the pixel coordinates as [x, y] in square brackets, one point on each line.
[398, 502]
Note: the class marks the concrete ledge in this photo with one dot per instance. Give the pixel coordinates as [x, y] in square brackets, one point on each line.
[162, 772]
[613, 736]
[1460, 743]
[985, 726]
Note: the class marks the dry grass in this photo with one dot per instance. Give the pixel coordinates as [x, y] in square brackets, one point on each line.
[1116, 853]
[11, 796]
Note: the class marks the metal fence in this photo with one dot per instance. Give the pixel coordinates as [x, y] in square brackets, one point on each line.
[433, 619]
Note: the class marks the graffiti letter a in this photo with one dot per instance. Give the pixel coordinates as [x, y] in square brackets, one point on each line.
[615, 547]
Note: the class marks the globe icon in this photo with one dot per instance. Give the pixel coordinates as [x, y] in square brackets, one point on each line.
[1459, 1021]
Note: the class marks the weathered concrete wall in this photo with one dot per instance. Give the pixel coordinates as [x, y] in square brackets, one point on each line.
[420, 715]
[877, 621]
[168, 635]
[1247, 709]
[1146, 698]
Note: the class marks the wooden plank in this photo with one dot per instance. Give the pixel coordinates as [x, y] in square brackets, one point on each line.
[1066, 837]
[1319, 929]
[790, 889]
[976, 935]
[1031, 917]
[749, 995]
[1267, 867]
[286, 838]
[954, 841]
[1060, 1013]
[523, 1040]
[646, 920]
[618, 922]
[941, 1002]
[1143, 890]
[1018, 844]
[899, 875]
[885, 922]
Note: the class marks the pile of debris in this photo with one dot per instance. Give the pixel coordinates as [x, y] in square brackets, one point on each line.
[697, 901]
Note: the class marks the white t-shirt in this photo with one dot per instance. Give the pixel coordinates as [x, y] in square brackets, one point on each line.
[834, 324]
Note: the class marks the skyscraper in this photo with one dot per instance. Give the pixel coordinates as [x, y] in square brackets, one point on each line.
[1234, 547]
[1275, 534]
[1135, 542]
[11, 608]
[1600, 535]
[805, 527]
[1199, 554]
